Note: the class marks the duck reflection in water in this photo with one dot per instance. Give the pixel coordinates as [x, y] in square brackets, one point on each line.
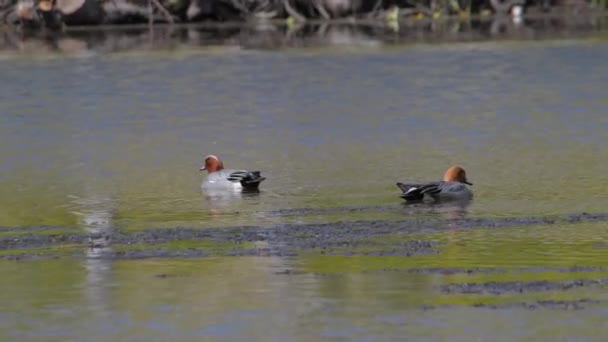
[221, 202]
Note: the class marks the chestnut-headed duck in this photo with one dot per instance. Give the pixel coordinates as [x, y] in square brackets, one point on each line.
[218, 177]
[451, 188]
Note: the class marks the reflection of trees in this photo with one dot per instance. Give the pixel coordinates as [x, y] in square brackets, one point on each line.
[96, 218]
[96, 214]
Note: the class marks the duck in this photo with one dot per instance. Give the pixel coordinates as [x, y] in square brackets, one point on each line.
[453, 187]
[218, 177]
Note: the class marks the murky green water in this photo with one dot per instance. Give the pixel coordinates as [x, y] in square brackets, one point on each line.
[325, 298]
[115, 141]
[127, 134]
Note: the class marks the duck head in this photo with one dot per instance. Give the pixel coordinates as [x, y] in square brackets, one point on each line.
[456, 174]
[212, 164]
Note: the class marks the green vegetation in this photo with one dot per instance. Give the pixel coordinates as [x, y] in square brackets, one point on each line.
[52, 231]
[217, 247]
[67, 249]
[507, 298]
[557, 245]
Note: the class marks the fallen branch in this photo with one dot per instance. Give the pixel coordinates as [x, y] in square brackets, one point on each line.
[375, 12]
[292, 11]
[163, 10]
[265, 15]
[321, 10]
[236, 4]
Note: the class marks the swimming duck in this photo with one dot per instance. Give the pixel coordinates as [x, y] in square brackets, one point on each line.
[453, 187]
[218, 177]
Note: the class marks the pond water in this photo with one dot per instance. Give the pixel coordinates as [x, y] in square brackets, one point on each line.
[328, 129]
[116, 140]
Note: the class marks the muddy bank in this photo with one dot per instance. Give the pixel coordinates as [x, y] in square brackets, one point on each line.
[379, 237]
[467, 271]
[578, 304]
[497, 288]
[496, 270]
[489, 287]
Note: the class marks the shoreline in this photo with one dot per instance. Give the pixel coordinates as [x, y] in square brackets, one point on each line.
[370, 35]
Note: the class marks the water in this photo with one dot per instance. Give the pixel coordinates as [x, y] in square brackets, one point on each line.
[109, 141]
[328, 130]
[243, 299]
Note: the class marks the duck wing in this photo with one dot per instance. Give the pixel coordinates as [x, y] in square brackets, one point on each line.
[415, 192]
[248, 179]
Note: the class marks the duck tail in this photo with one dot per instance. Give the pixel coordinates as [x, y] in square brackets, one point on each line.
[411, 192]
[252, 180]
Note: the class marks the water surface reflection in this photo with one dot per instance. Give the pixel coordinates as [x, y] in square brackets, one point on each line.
[340, 129]
[110, 142]
[253, 298]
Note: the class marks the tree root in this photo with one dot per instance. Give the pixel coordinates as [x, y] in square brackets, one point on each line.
[163, 10]
[292, 11]
[321, 10]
